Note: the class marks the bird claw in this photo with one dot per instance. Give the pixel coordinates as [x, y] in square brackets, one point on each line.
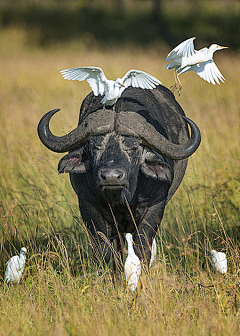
[173, 87]
[176, 87]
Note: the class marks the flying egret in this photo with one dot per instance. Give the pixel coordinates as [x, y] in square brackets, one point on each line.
[153, 252]
[219, 261]
[111, 90]
[15, 267]
[132, 265]
[185, 58]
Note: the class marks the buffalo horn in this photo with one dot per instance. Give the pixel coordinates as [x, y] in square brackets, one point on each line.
[133, 124]
[99, 122]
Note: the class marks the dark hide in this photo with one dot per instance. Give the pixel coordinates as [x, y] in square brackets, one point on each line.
[123, 186]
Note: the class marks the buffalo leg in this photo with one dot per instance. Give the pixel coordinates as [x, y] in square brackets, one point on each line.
[100, 233]
[146, 231]
[118, 244]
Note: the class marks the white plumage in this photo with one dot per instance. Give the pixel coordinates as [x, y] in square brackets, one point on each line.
[132, 265]
[111, 90]
[184, 58]
[219, 261]
[153, 252]
[15, 267]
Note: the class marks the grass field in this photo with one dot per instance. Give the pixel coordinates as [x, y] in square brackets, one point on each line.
[60, 294]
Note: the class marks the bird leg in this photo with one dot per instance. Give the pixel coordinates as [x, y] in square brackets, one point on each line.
[175, 86]
[180, 85]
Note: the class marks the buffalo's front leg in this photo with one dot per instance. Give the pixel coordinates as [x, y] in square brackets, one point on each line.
[146, 231]
[118, 245]
[99, 231]
[101, 248]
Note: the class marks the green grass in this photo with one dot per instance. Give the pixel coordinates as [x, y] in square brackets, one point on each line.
[60, 293]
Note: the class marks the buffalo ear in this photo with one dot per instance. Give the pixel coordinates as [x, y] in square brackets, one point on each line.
[73, 162]
[156, 167]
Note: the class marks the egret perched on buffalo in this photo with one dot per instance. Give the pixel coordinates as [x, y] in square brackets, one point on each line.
[132, 265]
[219, 261]
[111, 90]
[15, 267]
[184, 58]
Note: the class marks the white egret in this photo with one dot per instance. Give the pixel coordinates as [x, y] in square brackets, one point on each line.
[153, 252]
[15, 267]
[219, 261]
[132, 265]
[111, 90]
[184, 58]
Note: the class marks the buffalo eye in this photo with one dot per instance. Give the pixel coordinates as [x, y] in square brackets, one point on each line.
[95, 146]
[130, 144]
[130, 149]
[97, 142]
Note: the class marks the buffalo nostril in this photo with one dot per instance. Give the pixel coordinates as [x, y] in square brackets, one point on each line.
[120, 176]
[112, 175]
[103, 177]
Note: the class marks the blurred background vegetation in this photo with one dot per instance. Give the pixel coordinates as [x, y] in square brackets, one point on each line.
[124, 22]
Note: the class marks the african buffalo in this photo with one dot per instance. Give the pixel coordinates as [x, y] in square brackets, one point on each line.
[125, 163]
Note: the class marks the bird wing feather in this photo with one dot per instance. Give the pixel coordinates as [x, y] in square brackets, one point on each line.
[209, 72]
[204, 50]
[184, 49]
[14, 263]
[141, 79]
[94, 76]
[176, 63]
[219, 261]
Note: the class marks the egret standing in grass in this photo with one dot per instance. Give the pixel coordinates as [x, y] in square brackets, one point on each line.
[153, 252]
[184, 58]
[15, 267]
[219, 261]
[132, 265]
[111, 90]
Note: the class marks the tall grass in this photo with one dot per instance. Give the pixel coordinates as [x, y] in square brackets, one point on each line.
[60, 293]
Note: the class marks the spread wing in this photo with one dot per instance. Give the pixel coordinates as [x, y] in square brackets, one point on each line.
[209, 72]
[141, 79]
[94, 76]
[184, 49]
